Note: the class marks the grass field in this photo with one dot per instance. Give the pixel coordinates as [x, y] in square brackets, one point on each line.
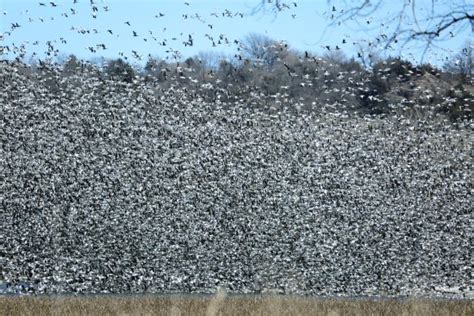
[220, 304]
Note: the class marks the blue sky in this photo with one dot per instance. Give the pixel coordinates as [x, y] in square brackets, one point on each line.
[303, 27]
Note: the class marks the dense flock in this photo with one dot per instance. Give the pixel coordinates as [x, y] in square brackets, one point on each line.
[111, 187]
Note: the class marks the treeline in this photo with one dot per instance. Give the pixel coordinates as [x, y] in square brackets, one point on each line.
[269, 74]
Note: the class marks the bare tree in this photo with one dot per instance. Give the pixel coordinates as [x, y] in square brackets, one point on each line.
[210, 59]
[462, 62]
[413, 21]
[336, 57]
[367, 54]
[262, 49]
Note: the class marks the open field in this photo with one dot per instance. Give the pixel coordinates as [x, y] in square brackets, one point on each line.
[221, 304]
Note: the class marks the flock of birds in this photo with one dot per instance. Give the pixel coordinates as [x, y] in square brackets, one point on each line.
[55, 47]
[20, 50]
[109, 186]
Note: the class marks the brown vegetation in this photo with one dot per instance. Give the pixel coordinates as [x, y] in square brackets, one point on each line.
[228, 305]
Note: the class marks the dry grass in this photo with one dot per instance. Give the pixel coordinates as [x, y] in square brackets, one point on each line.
[221, 304]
